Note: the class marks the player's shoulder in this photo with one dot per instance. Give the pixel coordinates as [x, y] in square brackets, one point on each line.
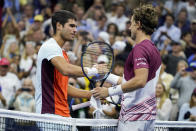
[49, 44]
[145, 44]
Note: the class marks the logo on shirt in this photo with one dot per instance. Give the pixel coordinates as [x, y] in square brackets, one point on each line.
[141, 63]
[140, 59]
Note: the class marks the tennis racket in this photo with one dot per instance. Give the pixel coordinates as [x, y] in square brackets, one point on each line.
[100, 54]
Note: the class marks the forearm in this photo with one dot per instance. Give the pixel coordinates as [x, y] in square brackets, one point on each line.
[4, 21]
[78, 93]
[13, 20]
[68, 69]
[174, 82]
[73, 70]
[137, 82]
[129, 86]
[132, 84]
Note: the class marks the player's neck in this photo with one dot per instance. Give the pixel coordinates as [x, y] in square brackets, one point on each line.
[141, 37]
[59, 40]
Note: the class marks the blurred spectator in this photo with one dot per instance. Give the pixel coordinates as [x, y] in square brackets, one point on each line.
[24, 98]
[190, 6]
[14, 5]
[67, 4]
[182, 21]
[112, 10]
[112, 28]
[185, 85]
[193, 30]
[165, 77]
[2, 99]
[93, 15]
[164, 104]
[82, 23]
[38, 36]
[173, 7]
[1, 12]
[174, 93]
[119, 47]
[9, 82]
[188, 110]
[188, 47]
[101, 26]
[38, 21]
[171, 60]
[10, 27]
[103, 36]
[161, 18]
[118, 68]
[119, 17]
[40, 5]
[14, 65]
[67, 47]
[28, 15]
[26, 61]
[167, 31]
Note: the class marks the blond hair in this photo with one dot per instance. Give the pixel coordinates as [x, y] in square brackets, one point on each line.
[163, 97]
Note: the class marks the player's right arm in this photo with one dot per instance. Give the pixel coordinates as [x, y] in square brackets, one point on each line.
[66, 68]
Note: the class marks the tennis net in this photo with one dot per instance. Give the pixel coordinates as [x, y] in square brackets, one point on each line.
[22, 121]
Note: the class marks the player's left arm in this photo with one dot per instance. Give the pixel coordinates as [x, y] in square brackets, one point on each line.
[139, 81]
[78, 93]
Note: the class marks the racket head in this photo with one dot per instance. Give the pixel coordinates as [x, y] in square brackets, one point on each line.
[97, 52]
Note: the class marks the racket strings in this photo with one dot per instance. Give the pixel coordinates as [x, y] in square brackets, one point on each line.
[98, 54]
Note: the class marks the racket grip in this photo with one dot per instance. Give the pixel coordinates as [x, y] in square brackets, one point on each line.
[98, 113]
[81, 105]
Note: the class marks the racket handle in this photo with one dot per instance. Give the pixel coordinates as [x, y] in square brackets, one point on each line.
[81, 105]
[98, 113]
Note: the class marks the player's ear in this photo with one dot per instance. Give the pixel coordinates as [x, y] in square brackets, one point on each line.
[138, 25]
[59, 26]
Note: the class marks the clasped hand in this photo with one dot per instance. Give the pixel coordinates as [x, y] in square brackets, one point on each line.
[100, 92]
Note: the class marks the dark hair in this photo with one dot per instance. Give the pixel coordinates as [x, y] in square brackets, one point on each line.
[171, 15]
[148, 18]
[115, 26]
[185, 34]
[62, 17]
[183, 10]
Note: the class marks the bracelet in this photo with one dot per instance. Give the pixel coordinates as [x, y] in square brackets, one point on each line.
[113, 79]
[115, 90]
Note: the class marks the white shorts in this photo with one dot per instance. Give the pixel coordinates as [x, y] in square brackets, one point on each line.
[136, 125]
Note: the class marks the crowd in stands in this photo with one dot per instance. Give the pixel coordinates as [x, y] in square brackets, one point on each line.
[26, 24]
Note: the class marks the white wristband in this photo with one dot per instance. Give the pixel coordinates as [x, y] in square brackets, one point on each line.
[116, 90]
[91, 71]
[113, 79]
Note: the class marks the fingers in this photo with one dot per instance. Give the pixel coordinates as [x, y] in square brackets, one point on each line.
[96, 92]
[100, 92]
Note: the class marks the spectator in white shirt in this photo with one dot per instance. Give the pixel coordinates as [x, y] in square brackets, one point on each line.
[167, 31]
[9, 82]
[173, 7]
[191, 8]
[164, 104]
[120, 19]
